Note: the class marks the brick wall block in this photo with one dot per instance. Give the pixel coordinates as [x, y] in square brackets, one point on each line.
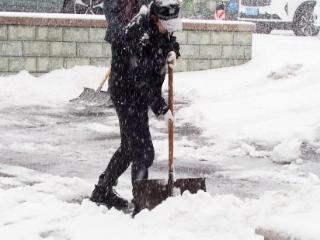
[242, 38]
[63, 49]
[238, 52]
[182, 65]
[248, 53]
[4, 64]
[71, 62]
[232, 52]
[210, 52]
[237, 62]
[106, 50]
[189, 51]
[45, 64]
[97, 35]
[35, 49]
[182, 37]
[49, 34]
[89, 50]
[197, 37]
[222, 38]
[100, 62]
[75, 34]
[17, 64]
[13, 48]
[195, 65]
[227, 62]
[216, 63]
[3, 32]
[21, 33]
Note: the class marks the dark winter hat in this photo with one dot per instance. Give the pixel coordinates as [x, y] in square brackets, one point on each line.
[167, 11]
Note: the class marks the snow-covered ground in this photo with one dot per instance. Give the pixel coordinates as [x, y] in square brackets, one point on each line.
[252, 130]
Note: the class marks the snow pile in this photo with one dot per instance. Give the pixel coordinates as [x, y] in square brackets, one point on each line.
[300, 216]
[263, 109]
[52, 89]
[263, 102]
[286, 151]
[260, 103]
[268, 101]
[52, 15]
[37, 206]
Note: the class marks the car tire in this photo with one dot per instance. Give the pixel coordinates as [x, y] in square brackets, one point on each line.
[303, 24]
[263, 28]
[93, 7]
[83, 7]
[68, 6]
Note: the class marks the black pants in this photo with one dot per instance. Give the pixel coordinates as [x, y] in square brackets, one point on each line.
[136, 145]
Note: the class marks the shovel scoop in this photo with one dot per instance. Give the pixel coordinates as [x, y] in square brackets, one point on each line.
[149, 193]
[97, 97]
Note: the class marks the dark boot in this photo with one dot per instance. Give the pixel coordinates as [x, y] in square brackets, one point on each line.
[109, 198]
[114, 200]
[136, 209]
[98, 195]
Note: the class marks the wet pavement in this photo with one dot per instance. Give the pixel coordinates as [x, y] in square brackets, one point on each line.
[77, 141]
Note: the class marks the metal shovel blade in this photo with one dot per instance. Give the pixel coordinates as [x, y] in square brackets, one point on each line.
[150, 193]
[93, 97]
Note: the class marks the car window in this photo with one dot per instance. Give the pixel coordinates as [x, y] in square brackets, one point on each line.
[18, 5]
[255, 2]
[49, 5]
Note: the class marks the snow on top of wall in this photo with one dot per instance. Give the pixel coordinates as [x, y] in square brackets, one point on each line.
[215, 22]
[102, 17]
[52, 15]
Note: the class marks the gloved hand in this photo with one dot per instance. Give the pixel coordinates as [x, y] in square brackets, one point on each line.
[168, 116]
[174, 45]
[172, 59]
[143, 10]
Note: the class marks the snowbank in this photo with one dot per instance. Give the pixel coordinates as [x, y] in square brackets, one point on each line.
[52, 15]
[102, 17]
[55, 88]
[40, 206]
[267, 102]
[264, 109]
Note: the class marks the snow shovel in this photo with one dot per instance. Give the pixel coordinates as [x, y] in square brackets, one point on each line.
[95, 97]
[150, 193]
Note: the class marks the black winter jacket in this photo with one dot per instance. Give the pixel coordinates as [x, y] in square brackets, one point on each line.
[137, 76]
[118, 14]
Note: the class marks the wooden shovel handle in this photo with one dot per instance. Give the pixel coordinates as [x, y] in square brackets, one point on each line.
[170, 127]
[104, 79]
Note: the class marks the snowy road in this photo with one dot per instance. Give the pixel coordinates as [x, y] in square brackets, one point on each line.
[236, 126]
[77, 141]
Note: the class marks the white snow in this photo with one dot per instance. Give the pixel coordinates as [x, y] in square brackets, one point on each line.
[273, 98]
[287, 151]
[52, 15]
[38, 206]
[250, 116]
[51, 89]
[102, 17]
[215, 22]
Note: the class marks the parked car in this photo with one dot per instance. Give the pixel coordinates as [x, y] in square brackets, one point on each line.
[53, 6]
[301, 16]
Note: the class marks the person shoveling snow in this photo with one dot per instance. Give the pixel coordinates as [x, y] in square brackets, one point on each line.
[138, 72]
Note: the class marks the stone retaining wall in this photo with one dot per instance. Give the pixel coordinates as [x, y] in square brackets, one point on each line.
[40, 45]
